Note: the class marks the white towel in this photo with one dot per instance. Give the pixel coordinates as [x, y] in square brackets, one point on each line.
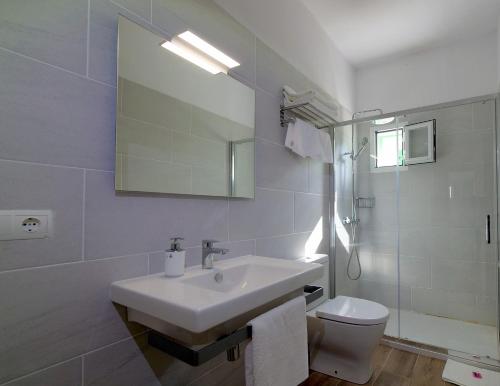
[277, 353]
[307, 141]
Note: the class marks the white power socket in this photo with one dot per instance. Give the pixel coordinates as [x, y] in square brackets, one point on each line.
[25, 224]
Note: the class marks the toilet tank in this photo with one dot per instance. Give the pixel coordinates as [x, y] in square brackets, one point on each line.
[323, 281]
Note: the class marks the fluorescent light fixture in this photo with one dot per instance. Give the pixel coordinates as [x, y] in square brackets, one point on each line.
[384, 121]
[199, 52]
[208, 49]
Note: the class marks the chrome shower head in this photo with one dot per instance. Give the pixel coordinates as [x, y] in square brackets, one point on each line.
[364, 143]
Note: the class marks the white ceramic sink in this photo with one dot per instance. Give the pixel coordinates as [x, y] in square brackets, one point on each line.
[197, 302]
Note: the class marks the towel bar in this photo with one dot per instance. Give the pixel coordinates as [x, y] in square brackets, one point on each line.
[308, 112]
[197, 357]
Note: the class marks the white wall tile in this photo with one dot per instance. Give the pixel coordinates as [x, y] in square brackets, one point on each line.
[310, 211]
[117, 224]
[278, 168]
[36, 187]
[133, 362]
[52, 31]
[51, 116]
[61, 312]
[104, 31]
[270, 214]
[284, 247]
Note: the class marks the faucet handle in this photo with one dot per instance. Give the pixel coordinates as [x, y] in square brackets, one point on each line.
[208, 243]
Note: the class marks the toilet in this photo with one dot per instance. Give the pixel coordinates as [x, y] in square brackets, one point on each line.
[343, 332]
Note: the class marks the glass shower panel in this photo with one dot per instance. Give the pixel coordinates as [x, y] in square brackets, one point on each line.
[366, 215]
[447, 266]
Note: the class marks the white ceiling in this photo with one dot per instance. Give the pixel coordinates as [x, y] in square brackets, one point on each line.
[371, 30]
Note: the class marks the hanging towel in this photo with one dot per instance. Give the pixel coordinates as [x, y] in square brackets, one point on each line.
[326, 147]
[277, 353]
[307, 141]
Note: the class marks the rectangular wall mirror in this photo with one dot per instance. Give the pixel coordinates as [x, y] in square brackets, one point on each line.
[179, 128]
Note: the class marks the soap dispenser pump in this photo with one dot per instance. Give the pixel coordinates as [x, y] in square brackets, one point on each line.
[175, 258]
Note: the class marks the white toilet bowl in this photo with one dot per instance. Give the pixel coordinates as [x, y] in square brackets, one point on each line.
[343, 335]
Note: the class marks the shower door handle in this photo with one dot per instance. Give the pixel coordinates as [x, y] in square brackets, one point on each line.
[488, 232]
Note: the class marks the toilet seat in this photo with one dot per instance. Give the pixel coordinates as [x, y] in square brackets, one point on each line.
[353, 311]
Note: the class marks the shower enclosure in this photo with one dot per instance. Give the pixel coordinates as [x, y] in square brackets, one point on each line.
[415, 223]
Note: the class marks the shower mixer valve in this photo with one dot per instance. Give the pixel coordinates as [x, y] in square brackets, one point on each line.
[348, 220]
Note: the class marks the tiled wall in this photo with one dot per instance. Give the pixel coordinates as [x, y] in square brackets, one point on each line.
[57, 109]
[446, 267]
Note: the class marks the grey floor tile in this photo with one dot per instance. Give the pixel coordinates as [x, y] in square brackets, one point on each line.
[64, 374]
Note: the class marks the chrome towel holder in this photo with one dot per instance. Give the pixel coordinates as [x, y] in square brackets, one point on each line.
[229, 343]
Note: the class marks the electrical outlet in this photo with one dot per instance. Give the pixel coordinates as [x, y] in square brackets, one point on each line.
[25, 224]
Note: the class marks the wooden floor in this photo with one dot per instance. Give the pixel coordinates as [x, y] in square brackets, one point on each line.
[392, 367]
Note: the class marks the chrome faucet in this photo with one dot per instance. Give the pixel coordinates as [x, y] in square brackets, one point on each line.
[208, 251]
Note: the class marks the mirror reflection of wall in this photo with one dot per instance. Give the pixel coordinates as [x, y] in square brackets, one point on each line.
[180, 129]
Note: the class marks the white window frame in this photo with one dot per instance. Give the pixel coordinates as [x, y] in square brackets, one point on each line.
[431, 135]
[373, 146]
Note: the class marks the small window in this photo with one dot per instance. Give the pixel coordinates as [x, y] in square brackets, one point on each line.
[389, 147]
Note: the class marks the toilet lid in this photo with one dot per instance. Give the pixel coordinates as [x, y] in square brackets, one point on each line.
[353, 310]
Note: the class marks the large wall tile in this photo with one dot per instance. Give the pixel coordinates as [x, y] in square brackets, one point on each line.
[104, 32]
[133, 362]
[56, 313]
[284, 247]
[53, 31]
[278, 168]
[472, 277]
[270, 214]
[64, 374]
[141, 8]
[453, 304]
[54, 117]
[309, 211]
[27, 186]
[193, 255]
[267, 117]
[213, 24]
[118, 223]
[385, 293]
[319, 177]
[273, 72]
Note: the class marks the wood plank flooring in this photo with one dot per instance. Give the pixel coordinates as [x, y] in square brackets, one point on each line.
[392, 367]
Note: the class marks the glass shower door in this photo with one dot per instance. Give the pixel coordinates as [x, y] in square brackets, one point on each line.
[447, 233]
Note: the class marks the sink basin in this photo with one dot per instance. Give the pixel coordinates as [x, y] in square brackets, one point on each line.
[198, 302]
[240, 278]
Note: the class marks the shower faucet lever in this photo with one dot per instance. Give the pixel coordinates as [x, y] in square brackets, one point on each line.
[348, 220]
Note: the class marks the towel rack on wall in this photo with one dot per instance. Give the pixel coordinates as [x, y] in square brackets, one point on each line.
[228, 343]
[308, 112]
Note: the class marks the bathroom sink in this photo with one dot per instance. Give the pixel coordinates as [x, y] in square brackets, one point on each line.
[198, 302]
[240, 278]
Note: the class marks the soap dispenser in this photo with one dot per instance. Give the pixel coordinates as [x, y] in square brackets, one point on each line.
[175, 258]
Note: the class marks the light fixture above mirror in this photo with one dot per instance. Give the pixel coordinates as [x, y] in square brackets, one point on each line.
[199, 52]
